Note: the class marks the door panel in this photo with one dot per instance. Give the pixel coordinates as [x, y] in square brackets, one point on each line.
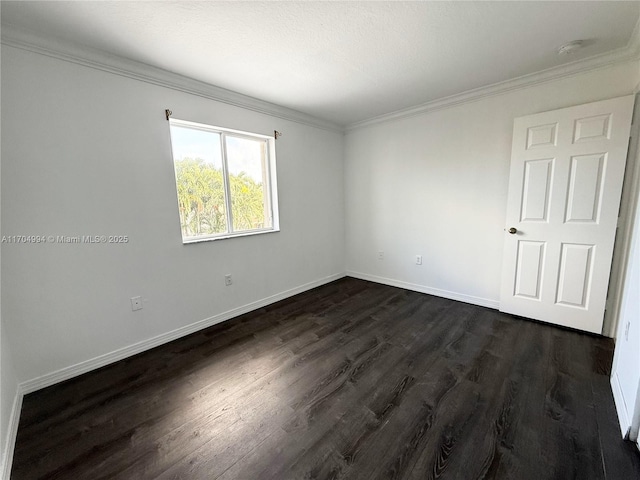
[565, 182]
[529, 269]
[592, 128]
[574, 280]
[541, 136]
[585, 186]
[535, 197]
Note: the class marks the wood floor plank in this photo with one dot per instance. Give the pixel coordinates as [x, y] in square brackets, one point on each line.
[569, 405]
[351, 380]
[520, 422]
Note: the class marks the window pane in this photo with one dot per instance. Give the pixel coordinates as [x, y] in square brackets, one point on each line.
[247, 167]
[198, 162]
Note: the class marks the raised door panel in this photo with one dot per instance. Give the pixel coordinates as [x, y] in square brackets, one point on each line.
[536, 190]
[542, 136]
[575, 275]
[529, 269]
[592, 128]
[587, 173]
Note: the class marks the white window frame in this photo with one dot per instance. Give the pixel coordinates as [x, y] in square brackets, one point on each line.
[270, 182]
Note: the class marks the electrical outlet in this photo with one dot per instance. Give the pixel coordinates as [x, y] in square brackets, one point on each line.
[136, 303]
[418, 259]
[227, 280]
[381, 255]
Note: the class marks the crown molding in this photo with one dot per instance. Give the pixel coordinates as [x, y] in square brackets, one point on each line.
[101, 60]
[628, 53]
[117, 65]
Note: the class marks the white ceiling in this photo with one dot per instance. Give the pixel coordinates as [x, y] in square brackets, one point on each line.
[340, 61]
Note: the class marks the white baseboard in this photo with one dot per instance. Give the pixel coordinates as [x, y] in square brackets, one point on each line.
[461, 297]
[120, 354]
[12, 431]
[621, 406]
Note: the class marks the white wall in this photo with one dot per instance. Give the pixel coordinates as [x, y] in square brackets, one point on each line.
[8, 394]
[436, 185]
[85, 152]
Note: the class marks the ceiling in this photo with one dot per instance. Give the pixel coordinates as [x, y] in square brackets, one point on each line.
[344, 62]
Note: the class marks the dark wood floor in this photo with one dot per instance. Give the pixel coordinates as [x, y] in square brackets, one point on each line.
[351, 380]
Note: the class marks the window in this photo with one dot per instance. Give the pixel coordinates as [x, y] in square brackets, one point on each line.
[225, 181]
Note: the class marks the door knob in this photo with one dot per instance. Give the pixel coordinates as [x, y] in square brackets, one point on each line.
[513, 230]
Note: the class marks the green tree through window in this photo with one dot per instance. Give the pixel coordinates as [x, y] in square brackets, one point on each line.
[216, 172]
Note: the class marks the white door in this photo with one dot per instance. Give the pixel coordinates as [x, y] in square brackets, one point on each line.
[565, 182]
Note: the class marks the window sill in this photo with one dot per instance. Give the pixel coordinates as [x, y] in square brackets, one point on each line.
[212, 238]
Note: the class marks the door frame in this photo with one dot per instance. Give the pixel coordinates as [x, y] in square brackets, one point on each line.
[622, 245]
[629, 420]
